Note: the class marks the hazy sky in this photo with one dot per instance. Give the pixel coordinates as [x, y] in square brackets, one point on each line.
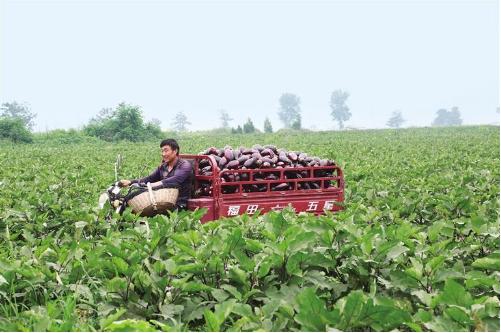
[69, 59]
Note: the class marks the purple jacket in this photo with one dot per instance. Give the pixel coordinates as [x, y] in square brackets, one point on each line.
[179, 177]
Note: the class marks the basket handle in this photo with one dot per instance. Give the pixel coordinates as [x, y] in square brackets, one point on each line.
[152, 196]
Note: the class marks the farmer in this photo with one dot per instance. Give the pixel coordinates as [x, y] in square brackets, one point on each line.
[173, 172]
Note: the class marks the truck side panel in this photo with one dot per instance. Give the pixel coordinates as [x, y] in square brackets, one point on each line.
[316, 204]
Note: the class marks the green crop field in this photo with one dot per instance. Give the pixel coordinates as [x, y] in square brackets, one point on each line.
[415, 249]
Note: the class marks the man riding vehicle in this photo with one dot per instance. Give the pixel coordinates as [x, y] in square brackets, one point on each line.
[174, 172]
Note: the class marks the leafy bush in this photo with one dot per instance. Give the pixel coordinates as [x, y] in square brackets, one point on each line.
[237, 130]
[267, 126]
[249, 126]
[124, 123]
[448, 118]
[14, 129]
[61, 136]
[18, 110]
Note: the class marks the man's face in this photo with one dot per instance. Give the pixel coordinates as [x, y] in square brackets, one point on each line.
[168, 154]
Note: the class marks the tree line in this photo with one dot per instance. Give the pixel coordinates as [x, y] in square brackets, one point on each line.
[289, 114]
[126, 121]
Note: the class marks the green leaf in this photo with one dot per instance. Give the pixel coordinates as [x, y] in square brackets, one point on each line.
[455, 294]
[111, 318]
[244, 261]
[170, 266]
[417, 269]
[443, 274]
[459, 315]
[278, 222]
[403, 281]
[117, 284]
[267, 263]
[312, 314]
[181, 239]
[434, 263]
[243, 310]
[475, 279]
[121, 265]
[489, 263]
[171, 310]
[301, 242]
[423, 316]
[383, 248]
[367, 244]
[233, 291]
[396, 251]
[443, 324]
[219, 295]
[279, 323]
[478, 224]
[187, 249]
[251, 293]
[193, 309]
[414, 327]
[352, 308]
[194, 287]
[239, 276]
[212, 323]
[434, 230]
[270, 308]
[423, 296]
[223, 310]
[80, 224]
[293, 263]
[320, 280]
[166, 328]
[130, 325]
[253, 245]
[194, 268]
[382, 317]
[234, 241]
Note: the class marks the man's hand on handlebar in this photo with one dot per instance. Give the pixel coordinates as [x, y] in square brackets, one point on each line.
[124, 183]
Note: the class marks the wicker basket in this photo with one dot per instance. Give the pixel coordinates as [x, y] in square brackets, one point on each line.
[150, 203]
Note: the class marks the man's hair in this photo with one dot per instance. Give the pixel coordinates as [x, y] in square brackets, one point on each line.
[171, 143]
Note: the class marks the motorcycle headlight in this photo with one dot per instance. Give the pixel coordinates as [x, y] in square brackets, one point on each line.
[115, 190]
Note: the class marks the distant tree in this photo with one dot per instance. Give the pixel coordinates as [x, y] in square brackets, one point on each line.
[267, 126]
[296, 124]
[290, 111]
[14, 129]
[448, 118]
[225, 119]
[155, 122]
[123, 123]
[153, 128]
[237, 130]
[18, 110]
[339, 110]
[396, 120]
[180, 122]
[456, 116]
[442, 118]
[104, 114]
[130, 121]
[249, 126]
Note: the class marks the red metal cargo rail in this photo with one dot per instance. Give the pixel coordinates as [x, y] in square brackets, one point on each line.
[228, 193]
